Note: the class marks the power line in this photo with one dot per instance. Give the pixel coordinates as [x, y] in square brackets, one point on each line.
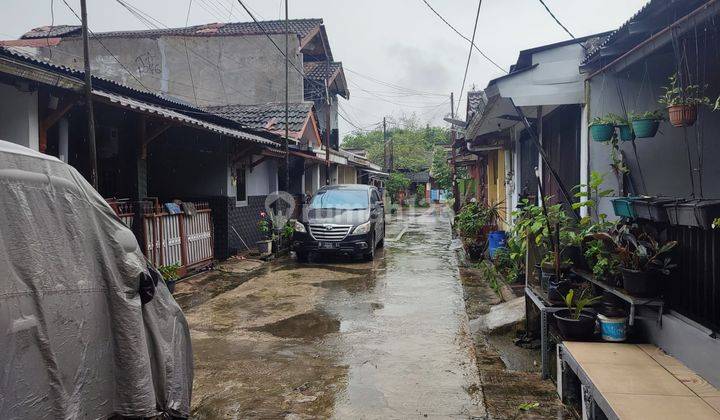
[392, 85]
[472, 42]
[467, 65]
[556, 19]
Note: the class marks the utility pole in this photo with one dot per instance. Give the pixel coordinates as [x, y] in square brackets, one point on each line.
[88, 97]
[327, 134]
[453, 167]
[391, 166]
[287, 98]
[386, 164]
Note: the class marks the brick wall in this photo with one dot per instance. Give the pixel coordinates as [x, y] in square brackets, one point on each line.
[227, 215]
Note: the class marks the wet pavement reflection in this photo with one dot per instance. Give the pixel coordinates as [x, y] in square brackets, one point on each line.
[340, 338]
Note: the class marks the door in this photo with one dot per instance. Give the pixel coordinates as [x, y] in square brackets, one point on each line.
[561, 141]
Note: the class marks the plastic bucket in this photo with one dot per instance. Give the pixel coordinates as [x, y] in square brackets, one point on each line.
[496, 240]
[613, 328]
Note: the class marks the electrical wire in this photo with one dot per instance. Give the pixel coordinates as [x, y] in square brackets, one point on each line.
[467, 65]
[556, 19]
[472, 42]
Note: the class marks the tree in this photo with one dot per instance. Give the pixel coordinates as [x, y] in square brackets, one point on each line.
[396, 183]
[413, 144]
[441, 170]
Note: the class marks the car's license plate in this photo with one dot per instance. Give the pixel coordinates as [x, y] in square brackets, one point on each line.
[327, 245]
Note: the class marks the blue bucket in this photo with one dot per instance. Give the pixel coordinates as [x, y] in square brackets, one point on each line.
[496, 240]
[613, 328]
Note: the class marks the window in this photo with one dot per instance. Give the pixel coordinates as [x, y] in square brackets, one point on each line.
[240, 184]
[340, 199]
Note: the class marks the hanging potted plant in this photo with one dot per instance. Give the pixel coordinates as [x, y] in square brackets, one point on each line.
[624, 127]
[645, 125]
[682, 103]
[265, 228]
[575, 323]
[602, 128]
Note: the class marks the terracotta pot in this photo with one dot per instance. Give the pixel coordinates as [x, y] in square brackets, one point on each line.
[682, 115]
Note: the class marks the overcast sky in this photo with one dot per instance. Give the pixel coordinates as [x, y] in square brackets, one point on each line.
[396, 42]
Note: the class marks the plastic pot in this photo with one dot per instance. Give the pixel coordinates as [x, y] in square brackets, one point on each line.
[626, 132]
[623, 207]
[613, 328]
[697, 213]
[602, 132]
[639, 283]
[645, 128]
[682, 115]
[571, 329]
[652, 209]
[264, 246]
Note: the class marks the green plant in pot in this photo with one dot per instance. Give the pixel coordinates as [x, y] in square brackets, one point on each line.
[265, 228]
[171, 274]
[602, 128]
[682, 102]
[575, 323]
[642, 258]
[473, 223]
[623, 125]
[646, 124]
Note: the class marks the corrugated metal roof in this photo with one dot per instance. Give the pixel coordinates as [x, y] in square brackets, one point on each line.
[301, 27]
[170, 114]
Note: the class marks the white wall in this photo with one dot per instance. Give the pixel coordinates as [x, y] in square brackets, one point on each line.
[19, 116]
[262, 179]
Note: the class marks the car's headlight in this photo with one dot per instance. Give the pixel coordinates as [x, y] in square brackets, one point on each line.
[362, 229]
[299, 227]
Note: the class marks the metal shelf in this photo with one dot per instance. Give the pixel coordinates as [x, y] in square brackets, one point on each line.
[634, 302]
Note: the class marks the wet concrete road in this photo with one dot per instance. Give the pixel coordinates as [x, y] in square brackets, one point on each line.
[343, 339]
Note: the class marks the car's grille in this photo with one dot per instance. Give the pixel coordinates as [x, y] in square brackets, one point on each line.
[329, 232]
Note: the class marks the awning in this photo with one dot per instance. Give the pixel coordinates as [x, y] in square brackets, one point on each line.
[171, 114]
[378, 174]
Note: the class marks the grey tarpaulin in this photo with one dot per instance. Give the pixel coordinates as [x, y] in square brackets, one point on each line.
[75, 340]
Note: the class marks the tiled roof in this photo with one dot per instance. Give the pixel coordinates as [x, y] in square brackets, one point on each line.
[301, 27]
[475, 100]
[269, 116]
[321, 70]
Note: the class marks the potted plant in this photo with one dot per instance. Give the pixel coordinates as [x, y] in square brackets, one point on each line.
[171, 274]
[602, 128]
[574, 323]
[682, 102]
[646, 124]
[624, 127]
[641, 258]
[264, 226]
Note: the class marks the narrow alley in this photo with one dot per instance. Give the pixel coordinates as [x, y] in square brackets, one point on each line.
[342, 338]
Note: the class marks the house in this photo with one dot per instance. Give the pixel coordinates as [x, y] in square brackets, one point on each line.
[151, 150]
[626, 73]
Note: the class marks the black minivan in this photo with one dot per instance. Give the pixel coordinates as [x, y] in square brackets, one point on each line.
[341, 219]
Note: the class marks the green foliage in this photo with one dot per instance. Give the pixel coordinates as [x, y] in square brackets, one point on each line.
[440, 169]
[528, 406]
[716, 223]
[264, 226]
[576, 304]
[170, 272]
[413, 144]
[604, 263]
[474, 216]
[656, 115]
[510, 262]
[396, 183]
[674, 94]
[420, 195]
[288, 230]
[602, 121]
[489, 273]
[638, 249]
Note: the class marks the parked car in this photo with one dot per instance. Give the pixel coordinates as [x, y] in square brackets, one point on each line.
[341, 219]
[89, 329]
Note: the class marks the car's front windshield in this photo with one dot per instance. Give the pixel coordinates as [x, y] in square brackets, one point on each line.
[340, 199]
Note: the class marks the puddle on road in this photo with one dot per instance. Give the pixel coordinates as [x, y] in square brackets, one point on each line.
[308, 326]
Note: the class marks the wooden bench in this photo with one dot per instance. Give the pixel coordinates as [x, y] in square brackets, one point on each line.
[633, 381]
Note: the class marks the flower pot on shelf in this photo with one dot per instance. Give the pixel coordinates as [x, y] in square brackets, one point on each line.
[613, 328]
[572, 329]
[645, 128]
[602, 132]
[623, 207]
[694, 213]
[652, 208]
[640, 283]
[626, 132]
[682, 115]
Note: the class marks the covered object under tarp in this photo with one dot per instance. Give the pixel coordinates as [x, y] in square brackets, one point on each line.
[77, 340]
